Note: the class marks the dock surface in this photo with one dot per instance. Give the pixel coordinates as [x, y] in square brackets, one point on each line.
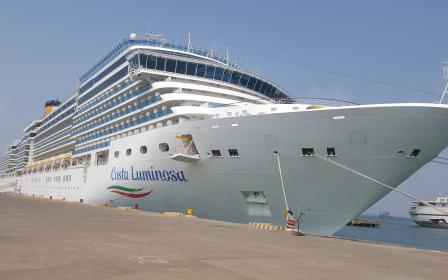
[48, 239]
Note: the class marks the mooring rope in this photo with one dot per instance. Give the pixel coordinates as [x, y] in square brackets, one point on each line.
[335, 163]
[281, 180]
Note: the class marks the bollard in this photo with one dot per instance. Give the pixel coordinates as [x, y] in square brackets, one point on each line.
[51, 197]
[81, 200]
[190, 212]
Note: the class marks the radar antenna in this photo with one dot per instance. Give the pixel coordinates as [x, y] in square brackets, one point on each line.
[445, 77]
[189, 46]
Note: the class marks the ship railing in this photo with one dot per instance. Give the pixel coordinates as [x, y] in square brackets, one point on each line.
[315, 100]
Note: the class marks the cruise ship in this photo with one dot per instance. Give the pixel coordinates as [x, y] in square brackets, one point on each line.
[175, 127]
[426, 216]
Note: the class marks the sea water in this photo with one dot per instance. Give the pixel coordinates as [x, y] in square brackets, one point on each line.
[400, 231]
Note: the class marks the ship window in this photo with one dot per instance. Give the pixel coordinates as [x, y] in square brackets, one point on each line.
[331, 152]
[210, 72]
[216, 153]
[227, 75]
[164, 147]
[258, 85]
[160, 63]
[151, 62]
[200, 72]
[415, 153]
[307, 151]
[129, 152]
[170, 65]
[143, 58]
[191, 68]
[181, 67]
[263, 87]
[244, 80]
[235, 77]
[251, 83]
[143, 149]
[233, 153]
[268, 90]
[116, 154]
[218, 73]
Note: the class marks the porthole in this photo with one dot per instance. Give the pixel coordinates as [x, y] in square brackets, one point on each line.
[164, 147]
[116, 154]
[129, 152]
[143, 149]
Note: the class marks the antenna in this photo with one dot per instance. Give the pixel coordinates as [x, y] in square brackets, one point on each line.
[227, 56]
[189, 46]
[445, 77]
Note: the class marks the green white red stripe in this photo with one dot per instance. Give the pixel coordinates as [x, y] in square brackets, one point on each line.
[129, 192]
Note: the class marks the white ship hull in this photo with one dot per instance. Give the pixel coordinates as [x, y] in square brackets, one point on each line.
[435, 217]
[425, 218]
[247, 188]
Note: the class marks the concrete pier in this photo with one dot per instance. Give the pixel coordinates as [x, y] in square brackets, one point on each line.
[48, 239]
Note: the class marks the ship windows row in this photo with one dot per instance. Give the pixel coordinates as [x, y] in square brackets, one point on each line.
[114, 78]
[232, 153]
[117, 113]
[331, 152]
[143, 150]
[207, 71]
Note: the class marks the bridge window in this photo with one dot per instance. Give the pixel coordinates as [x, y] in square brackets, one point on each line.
[251, 83]
[170, 65]
[191, 68]
[218, 73]
[143, 58]
[258, 85]
[227, 75]
[210, 72]
[151, 62]
[263, 87]
[244, 80]
[235, 77]
[160, 63]
[181, 67]
[200, 71]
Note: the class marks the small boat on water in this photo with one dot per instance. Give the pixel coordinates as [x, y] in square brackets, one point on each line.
[426, 216]
[384, 214]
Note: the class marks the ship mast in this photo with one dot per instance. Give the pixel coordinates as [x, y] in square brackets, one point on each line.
[445, 77]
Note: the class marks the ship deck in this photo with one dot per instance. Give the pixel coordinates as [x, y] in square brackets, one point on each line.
[48, 239]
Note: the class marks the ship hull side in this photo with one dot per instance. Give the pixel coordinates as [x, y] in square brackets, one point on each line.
[366, 139]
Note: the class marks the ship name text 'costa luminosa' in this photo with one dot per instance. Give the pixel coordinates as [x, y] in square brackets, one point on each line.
[175, 127]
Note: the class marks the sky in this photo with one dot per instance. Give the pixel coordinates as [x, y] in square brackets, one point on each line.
[362, 51]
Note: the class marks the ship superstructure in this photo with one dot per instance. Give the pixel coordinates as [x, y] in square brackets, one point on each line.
[174, 127]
